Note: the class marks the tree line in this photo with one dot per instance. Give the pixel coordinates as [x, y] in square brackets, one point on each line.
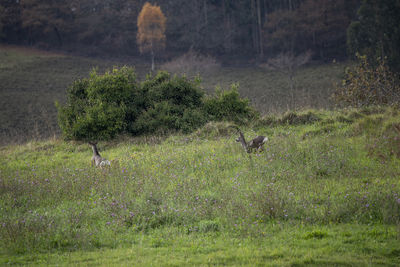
[255, 29]
[219, 27]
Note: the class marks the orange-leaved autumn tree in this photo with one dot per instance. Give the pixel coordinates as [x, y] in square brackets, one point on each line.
[151, 30]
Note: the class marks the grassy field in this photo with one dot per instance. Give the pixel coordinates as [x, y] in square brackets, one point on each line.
[269, 91]
[32, 80]
[325, 192]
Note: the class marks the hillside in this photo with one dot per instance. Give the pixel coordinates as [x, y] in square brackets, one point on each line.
[324, 192]
[32, 80]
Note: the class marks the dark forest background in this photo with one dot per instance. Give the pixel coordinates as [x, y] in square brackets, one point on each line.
[244, 30]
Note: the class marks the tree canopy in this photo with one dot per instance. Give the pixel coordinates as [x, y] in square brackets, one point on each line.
[376, 32]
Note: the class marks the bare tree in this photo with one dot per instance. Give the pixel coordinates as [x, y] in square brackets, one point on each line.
[288, 64]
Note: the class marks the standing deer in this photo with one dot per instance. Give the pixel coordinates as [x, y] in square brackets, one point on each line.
[256, 143]
[97, 159]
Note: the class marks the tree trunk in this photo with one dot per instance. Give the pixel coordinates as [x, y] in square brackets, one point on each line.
[152, 60]
[205, 13]
[260, 29]
[206, 29]
[227, 28]
[197, 20]
[60, 41]
[254, 26]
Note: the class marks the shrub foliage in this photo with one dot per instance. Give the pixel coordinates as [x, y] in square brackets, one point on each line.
[368, 85]
[99, 107]
[103, 106]
[173, 104]
[227, 105]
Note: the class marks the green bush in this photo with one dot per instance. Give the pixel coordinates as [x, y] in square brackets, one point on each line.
[367, 85]
[228, 106]
[103, 106]
[100, 107]
[173, 104]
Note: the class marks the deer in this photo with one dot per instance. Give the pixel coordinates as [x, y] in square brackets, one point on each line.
[97, 159]
[256, 143]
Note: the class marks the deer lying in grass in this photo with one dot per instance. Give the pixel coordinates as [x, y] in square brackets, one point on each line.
[97, 159]
[256, 143]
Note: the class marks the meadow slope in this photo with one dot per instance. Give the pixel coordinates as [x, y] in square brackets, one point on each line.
[325, 191]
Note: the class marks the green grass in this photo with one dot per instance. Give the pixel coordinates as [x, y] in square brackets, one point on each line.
[279, 245]
[324, 192]
[33, 80]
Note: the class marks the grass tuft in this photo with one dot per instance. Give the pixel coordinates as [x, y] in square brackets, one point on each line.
[316, 234]
[293, 118]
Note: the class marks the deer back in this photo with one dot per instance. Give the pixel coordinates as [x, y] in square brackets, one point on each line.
[258, 141]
